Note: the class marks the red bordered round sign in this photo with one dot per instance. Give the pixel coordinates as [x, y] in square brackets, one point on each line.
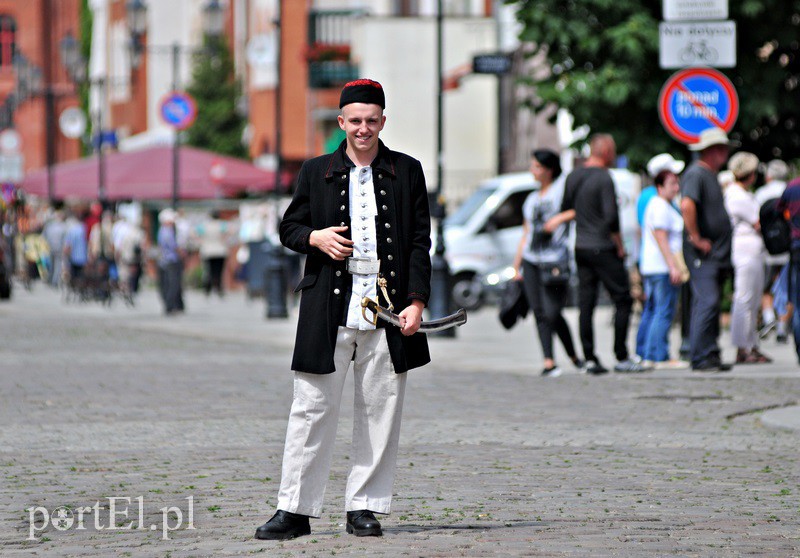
[696, 99]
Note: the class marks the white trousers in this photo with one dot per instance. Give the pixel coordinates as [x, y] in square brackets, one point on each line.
[310, 436]
[748, 287]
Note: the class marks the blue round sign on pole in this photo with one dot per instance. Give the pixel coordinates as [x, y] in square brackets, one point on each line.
[179, 110]
[696, 99]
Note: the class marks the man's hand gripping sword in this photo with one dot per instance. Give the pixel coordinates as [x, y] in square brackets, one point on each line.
[457, 319]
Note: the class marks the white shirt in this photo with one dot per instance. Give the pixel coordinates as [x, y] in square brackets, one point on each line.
[770, 190]
[743, 210]
[363, 211]
[662, 216]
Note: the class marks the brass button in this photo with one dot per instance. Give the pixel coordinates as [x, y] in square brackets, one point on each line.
[390, 257]
[384, 208]
[383, 192]
[343, 192]
[388, 226]
[380, 175]
[338, 273]
[344, 176]
[341, 208]
[389, 240]
[342, 224]
[336, 291]
[392, 273]
[394, 291]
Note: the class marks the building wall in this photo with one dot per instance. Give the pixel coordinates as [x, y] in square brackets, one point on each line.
[401, 54]
[37, 28]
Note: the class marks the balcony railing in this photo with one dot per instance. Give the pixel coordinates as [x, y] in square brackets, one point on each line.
[331, 74]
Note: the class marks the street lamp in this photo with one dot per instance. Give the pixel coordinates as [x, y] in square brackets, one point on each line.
[439, 303]
[75, 64]
[275, 281]
[213, 27]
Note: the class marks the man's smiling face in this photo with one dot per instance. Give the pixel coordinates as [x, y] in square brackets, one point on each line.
[362, 123]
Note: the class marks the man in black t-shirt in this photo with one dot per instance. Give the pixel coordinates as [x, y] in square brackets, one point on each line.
[591, 200]
[707, 238]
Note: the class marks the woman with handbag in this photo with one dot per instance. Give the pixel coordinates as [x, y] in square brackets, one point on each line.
[663, 272]
[542, 259]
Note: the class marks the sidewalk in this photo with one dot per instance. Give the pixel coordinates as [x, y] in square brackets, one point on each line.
[494, 459]
[481, 346]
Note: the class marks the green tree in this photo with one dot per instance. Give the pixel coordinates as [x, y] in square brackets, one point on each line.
[603, 57]
[215, 89]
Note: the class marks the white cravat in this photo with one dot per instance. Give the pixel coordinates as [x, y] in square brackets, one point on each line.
[363, 210]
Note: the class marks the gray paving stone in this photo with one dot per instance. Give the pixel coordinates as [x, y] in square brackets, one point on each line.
[494, 460]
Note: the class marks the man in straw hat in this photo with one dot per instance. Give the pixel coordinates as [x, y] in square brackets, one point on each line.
[706, 246]
[361, 215]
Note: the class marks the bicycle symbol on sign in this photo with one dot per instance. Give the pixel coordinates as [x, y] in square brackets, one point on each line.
[699, 52]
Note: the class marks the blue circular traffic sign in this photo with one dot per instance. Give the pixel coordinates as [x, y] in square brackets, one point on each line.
[696, 99]
[179, 110]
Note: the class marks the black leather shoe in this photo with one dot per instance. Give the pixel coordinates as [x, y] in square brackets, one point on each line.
[712, 365]
[362, 523]
[284, 525]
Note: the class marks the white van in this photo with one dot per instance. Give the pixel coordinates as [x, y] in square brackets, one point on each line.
[482, 235]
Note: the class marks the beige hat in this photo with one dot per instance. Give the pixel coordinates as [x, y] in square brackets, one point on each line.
[743, 164]
[664, 161]
[711, 137]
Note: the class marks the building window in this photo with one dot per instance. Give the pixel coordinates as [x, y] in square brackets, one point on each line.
[8, 39]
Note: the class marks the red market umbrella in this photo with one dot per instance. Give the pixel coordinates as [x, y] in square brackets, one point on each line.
[147, 175]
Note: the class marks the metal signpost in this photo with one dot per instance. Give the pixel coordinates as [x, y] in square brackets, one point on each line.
[711, 43]
[677, 10]
[696, 99]
[179, 110]
[696, 33]
[497, 64]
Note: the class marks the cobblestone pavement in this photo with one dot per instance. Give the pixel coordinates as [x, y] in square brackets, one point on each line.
[494, 460]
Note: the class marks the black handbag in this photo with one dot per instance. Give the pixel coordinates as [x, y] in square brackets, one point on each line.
[553, 274]
[513, 304]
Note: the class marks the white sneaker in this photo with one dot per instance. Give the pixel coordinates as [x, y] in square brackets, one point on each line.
[672, 365]
[553, 372]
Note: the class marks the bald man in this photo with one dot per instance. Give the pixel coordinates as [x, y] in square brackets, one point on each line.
[591, 201]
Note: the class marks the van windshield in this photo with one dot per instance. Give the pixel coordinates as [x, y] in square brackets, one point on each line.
[467, 209]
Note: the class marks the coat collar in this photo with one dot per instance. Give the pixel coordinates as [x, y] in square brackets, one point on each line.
[340, 162]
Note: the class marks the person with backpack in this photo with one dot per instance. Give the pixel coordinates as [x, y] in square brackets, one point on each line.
[775, 231]
[748, 256]
[789, 205]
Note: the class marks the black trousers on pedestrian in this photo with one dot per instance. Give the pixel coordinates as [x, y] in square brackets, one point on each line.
[706, 282]
[214, 267]
[606, 267]
[171, 286]
[547, 302]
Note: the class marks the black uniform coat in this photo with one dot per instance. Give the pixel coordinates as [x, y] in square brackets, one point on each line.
[402, 225]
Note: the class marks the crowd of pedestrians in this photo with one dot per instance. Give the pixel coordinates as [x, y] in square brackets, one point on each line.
[92, 253]
[700, 228]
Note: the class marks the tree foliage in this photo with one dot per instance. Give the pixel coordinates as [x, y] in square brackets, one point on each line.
[603, 60]
[216, 91]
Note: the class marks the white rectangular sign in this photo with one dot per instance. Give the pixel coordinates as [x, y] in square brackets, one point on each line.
[709, 43]
[681, 10]
[11, 168]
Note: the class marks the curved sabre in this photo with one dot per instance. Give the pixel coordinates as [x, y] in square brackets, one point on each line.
[453, 320]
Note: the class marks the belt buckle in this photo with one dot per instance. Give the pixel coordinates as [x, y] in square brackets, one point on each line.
[363, 266]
